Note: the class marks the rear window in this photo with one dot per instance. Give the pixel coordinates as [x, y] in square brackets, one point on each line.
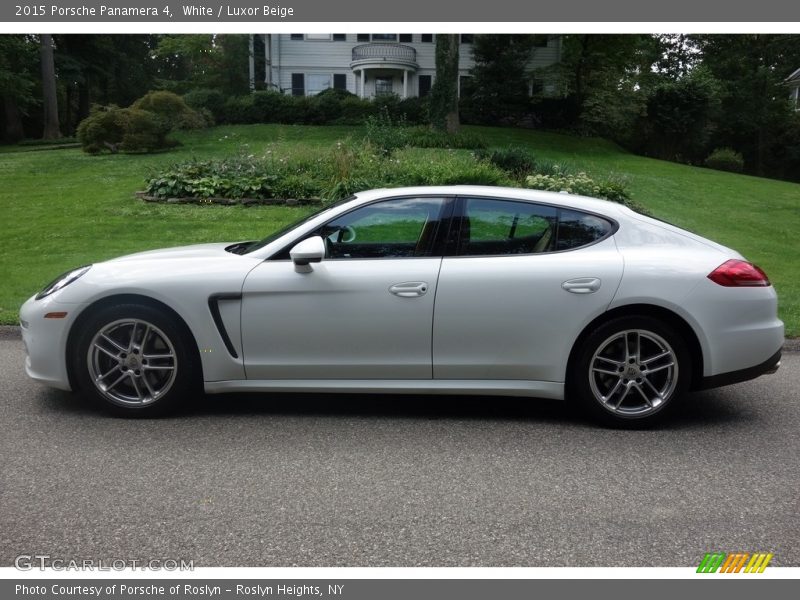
[576, 229]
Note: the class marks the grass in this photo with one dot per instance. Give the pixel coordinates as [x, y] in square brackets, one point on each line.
[61, 208]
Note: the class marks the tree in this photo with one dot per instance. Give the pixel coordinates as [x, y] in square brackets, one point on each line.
[753, 100]
[605, 78]
[18, 75]
[444, 93]
[500, 78]
[51, 129]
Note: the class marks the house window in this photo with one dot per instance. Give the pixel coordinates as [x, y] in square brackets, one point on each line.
[540, 40]
[318, 36]
[384, 37]
[405, 38]
[362, 37]
[339, 81]
[318, 82]
[298, 84]
[466, 38]
[383, 86]
[296, 36]
[339, 37]
[427, 38]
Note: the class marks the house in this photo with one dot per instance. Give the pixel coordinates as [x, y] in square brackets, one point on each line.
[373, 64]
[793, 83]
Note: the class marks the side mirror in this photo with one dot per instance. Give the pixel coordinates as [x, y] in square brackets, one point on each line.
[308, 251]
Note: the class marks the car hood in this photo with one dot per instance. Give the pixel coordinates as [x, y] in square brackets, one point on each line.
[194, 251]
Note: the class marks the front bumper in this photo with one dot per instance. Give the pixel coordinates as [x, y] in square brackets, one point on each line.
[45, 341]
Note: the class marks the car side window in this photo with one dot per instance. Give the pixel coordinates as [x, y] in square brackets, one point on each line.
[495, 227]
[576, 229]
[396, 228]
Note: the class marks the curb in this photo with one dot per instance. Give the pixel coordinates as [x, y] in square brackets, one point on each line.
[12, 332]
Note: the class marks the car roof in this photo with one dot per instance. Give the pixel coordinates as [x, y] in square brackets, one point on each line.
[555, 198]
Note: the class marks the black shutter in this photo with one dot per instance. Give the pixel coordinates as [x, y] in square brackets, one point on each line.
[362, 37]
[405, 38]
[339, 37]
[298, 84]
[424, 85]
[339, 81]
[296, 36]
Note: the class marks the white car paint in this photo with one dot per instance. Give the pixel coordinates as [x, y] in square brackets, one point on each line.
[488, 324]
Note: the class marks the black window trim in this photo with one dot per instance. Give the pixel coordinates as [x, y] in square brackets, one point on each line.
[451, 246]
[436, 249]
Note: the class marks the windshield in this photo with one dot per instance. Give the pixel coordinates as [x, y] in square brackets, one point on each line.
[274, 236]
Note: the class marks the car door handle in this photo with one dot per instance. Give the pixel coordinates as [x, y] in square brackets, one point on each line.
[409, 289]
[582, 285]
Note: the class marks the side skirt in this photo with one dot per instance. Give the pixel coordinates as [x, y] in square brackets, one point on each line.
[537, 389]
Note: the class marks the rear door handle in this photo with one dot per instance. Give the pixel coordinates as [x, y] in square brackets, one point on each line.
[582, 285]
[409, 289]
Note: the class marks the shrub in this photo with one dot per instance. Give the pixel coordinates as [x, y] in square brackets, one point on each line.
[229, 178]
[580, 184]
[127, 129]
[425, 137]
[385, 134]
[514, 160]
[171, 108]
[450, 168]
[725, 159]
[211, 100]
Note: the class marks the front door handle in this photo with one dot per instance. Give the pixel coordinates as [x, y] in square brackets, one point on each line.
[409, 289]
[582, 285]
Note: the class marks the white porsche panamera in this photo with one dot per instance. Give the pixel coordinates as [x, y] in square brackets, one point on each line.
[456, 290]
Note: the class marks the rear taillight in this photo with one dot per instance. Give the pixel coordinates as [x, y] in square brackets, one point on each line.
[739, 273]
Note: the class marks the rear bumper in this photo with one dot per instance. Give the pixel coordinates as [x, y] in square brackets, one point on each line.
[770, 365]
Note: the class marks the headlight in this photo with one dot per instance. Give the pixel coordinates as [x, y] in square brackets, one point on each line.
[62, 281]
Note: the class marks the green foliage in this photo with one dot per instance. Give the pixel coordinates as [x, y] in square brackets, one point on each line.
[425, 137]
[499, 87]
[580, 184]
[116, 129]
[680, 116]
[204, 98]
[514, 160]
[725, 159]
[386, 134]
[172, 109]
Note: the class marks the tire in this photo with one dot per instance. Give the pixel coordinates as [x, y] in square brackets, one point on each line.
[631, 372]
[134, 360]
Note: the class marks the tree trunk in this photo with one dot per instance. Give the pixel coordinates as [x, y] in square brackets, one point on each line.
[49, 96]
[13, 119]
[444, 93]
[84, 104]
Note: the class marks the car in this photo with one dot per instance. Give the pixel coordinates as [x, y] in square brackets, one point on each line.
[434, 290]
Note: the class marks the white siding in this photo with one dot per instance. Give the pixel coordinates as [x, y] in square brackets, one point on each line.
[328, 57]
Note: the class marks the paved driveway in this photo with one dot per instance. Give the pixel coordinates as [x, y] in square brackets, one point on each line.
[398, 481]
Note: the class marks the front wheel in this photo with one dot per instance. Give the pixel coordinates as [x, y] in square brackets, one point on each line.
[631, 372]
[134, 361]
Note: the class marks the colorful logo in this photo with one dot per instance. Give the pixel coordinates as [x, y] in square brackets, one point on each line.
[734, 562]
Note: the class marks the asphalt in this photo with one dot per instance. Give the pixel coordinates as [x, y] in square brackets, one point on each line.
[285, 480]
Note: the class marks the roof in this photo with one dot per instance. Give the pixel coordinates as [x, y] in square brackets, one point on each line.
[553, 198]
[793, 78]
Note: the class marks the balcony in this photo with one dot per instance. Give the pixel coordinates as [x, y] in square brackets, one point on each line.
[384, 55]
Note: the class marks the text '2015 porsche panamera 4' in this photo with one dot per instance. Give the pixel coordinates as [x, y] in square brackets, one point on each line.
[456, 290]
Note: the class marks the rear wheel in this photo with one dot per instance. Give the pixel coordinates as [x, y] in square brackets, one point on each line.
[631, 371]
[134, 360]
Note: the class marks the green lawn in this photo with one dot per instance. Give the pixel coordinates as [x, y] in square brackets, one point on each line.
[62, 208]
